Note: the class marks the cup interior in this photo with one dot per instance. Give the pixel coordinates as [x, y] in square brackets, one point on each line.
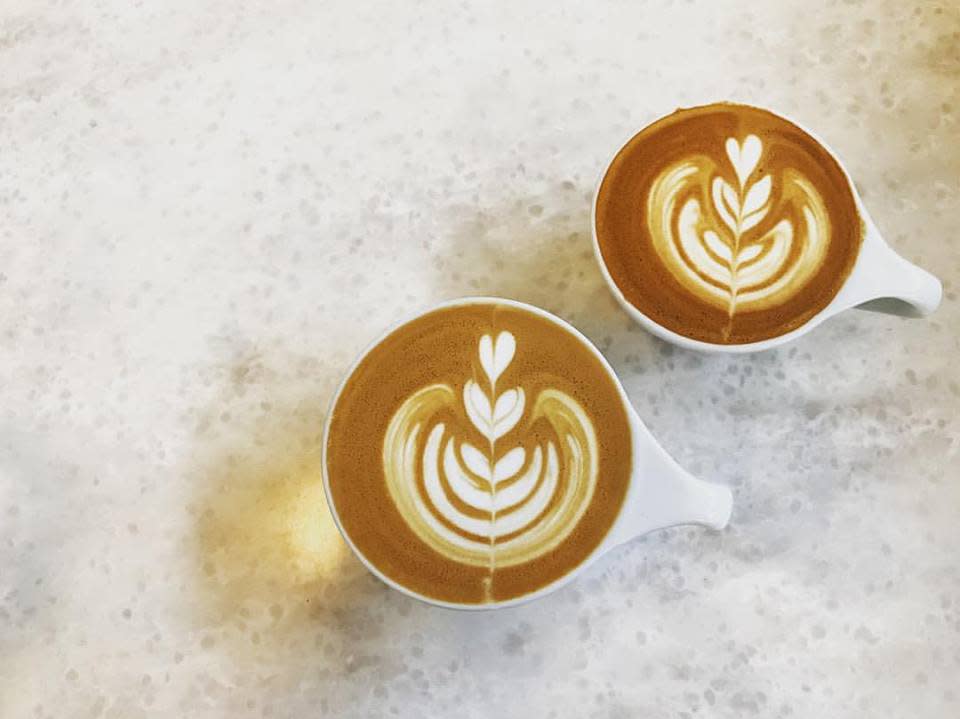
[598, 550]
[861, 218]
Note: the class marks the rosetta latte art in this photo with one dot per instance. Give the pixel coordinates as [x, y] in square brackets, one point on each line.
[737, 238]
[488, 477]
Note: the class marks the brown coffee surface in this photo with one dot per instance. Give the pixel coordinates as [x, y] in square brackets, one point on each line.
[478, 453]
[727, 224]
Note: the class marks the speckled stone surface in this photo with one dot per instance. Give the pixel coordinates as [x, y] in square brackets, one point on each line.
[209, 208]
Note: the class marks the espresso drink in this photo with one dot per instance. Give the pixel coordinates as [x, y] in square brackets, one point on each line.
[478, 453]
[727, 224]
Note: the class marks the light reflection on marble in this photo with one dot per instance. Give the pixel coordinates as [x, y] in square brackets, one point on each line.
[210, 208]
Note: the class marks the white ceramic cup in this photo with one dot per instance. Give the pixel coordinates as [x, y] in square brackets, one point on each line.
[660, 493]
[879, 273]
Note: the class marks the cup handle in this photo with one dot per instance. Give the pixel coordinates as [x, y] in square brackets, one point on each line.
[662, 494]
[883, 281]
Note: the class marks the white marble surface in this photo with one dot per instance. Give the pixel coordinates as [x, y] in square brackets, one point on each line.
[209, 207]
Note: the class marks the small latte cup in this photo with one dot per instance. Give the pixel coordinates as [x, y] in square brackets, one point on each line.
[658, 492]
[878, 278]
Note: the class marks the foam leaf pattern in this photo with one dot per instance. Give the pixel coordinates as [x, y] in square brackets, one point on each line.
[738, 237]
[492, 421]
[470, 498]
[757, 197]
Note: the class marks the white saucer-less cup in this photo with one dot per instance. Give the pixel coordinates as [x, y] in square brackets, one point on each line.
[879, 273]
[660, 493]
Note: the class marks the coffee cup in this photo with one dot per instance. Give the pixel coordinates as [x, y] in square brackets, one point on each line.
[729, 228]
[483, 453]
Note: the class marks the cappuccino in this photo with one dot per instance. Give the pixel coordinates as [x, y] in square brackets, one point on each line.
[727, 224]
[478, 453]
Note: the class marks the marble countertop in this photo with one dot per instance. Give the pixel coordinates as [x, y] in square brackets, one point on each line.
[209, 208]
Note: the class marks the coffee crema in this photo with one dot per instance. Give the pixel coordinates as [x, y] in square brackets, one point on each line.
[478, 453]
[727, 224]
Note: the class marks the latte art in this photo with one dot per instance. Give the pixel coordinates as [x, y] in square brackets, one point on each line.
[726, 223]
[508, 499]
[736, 237]
[478, 453]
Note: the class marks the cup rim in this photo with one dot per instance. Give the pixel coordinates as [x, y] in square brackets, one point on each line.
[564, 579]
[701, 345]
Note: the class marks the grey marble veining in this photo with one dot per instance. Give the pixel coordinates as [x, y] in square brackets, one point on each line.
[209, 208]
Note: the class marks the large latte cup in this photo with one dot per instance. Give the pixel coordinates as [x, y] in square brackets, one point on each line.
[483, 453]
[727, 227]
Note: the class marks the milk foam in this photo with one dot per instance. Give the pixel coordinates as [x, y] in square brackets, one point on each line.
[735, 237]
[481, 505]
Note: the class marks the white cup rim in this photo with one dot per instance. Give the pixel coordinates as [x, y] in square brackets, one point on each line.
[700, 345]
[553, 586]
